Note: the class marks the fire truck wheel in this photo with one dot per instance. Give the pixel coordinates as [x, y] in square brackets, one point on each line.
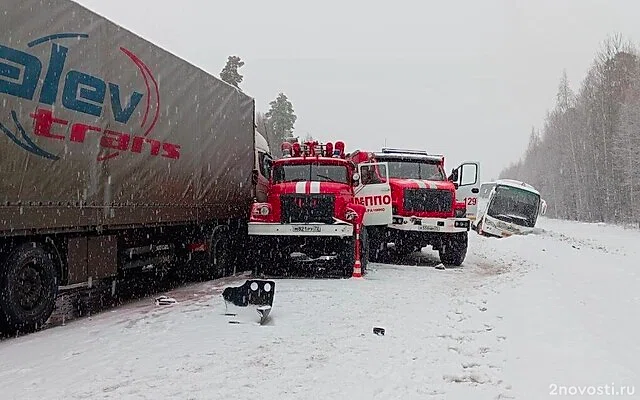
[268, 261]
[377, 252]
[348, 254]
[29, 286]
[454, 249]
[365, 251]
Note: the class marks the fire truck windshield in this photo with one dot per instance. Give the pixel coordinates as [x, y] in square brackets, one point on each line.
[310, 172]
[415, 170]
[514, 205]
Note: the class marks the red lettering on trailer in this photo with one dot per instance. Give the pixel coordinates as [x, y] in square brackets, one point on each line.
[45, 122]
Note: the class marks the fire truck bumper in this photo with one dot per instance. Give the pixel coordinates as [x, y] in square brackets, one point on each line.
[435, 225]
[271, 229]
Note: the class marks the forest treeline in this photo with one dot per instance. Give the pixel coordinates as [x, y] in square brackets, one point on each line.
[585, 160]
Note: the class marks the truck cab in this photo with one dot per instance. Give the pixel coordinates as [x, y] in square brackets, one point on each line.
[310, 209]
[427, 207]
[512, 208]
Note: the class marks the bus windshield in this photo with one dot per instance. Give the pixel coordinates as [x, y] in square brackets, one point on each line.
[485, 190]
[513, 205]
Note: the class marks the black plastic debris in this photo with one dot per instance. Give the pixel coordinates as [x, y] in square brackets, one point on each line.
[378, 331]
[257, 293]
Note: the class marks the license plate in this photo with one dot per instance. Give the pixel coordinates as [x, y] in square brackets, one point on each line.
[431, 228]
[306, 228]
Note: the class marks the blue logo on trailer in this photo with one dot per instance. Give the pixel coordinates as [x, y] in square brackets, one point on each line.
[20, 74]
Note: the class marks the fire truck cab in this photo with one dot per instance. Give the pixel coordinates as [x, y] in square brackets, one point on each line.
[310, 209]
[428, 208]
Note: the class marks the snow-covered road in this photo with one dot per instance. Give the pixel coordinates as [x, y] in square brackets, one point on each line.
[523, 314]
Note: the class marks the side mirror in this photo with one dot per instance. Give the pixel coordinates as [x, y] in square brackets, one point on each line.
[355, 177]
[454, 175]
[254, 177]
[543, 207]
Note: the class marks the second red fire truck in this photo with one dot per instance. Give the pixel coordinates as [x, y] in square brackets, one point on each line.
[429, 208]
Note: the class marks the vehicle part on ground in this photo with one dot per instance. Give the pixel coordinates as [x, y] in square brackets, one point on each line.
[257, 294]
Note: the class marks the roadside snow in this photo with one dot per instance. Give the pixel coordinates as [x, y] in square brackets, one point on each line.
[559, 307]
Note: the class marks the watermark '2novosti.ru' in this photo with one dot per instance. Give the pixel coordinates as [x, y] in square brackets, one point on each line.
[600, 390]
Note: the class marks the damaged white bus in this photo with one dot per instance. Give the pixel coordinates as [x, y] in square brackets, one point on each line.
[508, 207]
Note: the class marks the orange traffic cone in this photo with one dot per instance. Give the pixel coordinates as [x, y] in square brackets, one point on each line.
[357, 270]
[357, 267]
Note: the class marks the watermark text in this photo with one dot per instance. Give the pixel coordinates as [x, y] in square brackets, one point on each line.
[597, 390]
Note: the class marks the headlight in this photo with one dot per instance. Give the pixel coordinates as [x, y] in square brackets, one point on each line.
[263, 209]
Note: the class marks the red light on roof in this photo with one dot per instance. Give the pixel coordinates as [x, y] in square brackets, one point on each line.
[338, 149]
[286, 149]
[328, 149]
[296, 149]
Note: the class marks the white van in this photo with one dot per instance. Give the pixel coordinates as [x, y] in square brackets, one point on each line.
[507, 207]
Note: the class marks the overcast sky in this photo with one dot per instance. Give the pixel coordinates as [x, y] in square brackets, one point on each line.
[467, 79]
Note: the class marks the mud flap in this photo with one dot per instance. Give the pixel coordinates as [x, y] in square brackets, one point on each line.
[254, 296]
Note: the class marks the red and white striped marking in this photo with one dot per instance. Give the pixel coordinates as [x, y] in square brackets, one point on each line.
[301, 187]
[307, 187]
[423, 184]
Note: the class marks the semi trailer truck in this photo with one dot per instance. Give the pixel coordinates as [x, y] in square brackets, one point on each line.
[117, 158]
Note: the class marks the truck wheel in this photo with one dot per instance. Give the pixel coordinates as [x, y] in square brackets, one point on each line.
[29, 286]
[454, 249]
[376, 238]
[365, 250]
[220, 262]
[402, 250]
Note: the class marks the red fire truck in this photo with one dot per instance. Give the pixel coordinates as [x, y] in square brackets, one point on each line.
[310, 210]
[429, 208]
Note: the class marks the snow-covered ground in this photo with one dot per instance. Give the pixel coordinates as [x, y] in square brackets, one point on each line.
[561, 307]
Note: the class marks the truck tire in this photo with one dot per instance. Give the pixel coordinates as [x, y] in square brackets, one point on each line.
[29, 287]
[221, 255]
[378, 251]
[454, 249]
[221, 259]
[365, 250]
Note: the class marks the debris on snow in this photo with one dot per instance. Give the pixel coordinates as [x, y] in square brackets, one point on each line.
[165, 301]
